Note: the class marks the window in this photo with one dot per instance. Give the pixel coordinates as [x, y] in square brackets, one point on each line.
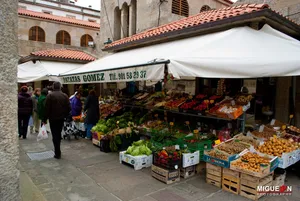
[180, 7]
[63, 37]
[37, 34]
[91, 20]
[205, 8]
[71, 16]
[117, 24]
[85, 39]
[47, 12]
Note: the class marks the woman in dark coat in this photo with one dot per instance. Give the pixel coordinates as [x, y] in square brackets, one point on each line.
[25, 108]
[91, 107]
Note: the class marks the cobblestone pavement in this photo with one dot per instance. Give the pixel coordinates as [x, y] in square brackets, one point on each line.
[86, 174]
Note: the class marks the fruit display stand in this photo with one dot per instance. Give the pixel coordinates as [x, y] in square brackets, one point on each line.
[138, 162]
[164, 175]
[188, 171]
[231, 181]
[249, 184]
[214, 175]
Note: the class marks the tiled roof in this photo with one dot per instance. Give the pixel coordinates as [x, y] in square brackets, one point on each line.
[57, 18]
[200, 18]
[64, 54]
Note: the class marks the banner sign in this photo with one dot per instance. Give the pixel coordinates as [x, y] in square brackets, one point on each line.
[151, 72]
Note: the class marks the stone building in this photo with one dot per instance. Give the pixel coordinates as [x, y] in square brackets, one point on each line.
[288, 8]
[47, 24]
[123, 18]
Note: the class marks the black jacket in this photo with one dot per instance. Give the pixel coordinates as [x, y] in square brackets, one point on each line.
[57, 106]
[91, 105]
[25, 105]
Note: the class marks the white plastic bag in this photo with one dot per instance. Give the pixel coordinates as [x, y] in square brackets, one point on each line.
[42, 134]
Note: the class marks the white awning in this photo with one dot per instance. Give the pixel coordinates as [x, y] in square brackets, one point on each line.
[236, 53]
[239, 53]
[43, 70]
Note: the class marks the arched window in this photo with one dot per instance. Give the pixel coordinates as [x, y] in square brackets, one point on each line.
[205, 8]
[63, 37]
[180, 7]
[124, 20]
[117, 23]
[85, 39]
[37, 34]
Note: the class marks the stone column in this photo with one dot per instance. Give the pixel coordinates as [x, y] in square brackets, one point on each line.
[132, 19]
[124, 21]
[9, 152]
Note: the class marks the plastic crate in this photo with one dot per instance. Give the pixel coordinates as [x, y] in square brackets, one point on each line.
[202, 145]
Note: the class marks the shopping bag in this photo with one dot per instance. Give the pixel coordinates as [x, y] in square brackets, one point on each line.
[42, 134]
[30, 123]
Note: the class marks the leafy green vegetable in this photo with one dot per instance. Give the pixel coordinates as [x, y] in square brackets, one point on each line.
[139, 148]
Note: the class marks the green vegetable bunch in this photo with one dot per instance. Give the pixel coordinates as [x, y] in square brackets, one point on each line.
[139, 148]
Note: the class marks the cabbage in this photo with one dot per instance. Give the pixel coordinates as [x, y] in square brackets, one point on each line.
[135, 152]
[138, 143]
[129, 150]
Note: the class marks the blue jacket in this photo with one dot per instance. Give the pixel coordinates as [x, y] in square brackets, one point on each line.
[76, 106]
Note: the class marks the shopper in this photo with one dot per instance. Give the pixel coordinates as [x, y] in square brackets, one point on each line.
[24, 111]
[41, 105]
[57, 108]
[91, 107]
[36, 122]
[76, 105]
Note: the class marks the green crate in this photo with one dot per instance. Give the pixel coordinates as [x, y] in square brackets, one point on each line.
[202, 145]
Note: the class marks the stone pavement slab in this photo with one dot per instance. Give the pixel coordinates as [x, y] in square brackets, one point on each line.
[86, 174]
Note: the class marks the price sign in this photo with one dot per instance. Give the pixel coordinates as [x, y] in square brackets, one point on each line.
[261, 128]
[217, 142]
[272, 122]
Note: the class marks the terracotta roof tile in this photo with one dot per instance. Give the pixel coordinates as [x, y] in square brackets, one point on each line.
[65, 54]
[200, 18]
[57, 18]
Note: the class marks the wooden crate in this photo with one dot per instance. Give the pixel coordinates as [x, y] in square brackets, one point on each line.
[248, 187]
[231, 181]
[227, 171]
[213, 167]
[214, 175]
[188, 171]
[200, 168]
[166, 176]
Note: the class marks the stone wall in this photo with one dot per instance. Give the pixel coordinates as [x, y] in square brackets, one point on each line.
[9, 153]
[290, 8]
[51, 28]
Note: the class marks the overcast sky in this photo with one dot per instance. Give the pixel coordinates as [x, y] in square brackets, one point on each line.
[96, 3]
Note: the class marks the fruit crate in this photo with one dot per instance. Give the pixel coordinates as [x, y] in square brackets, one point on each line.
[219, 162]
[190, 159]
[137, 162]
[167, 163]
[249, 184]
[166, 176]
[231, 181]
[188, 171]
[214, 175]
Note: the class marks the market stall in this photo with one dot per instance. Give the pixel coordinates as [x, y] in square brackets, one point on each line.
[181, 129]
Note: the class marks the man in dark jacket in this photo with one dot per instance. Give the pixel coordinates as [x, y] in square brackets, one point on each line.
[25, 108]
[57, 108]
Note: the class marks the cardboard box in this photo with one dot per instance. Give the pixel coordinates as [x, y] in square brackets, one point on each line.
[138, 162]
[188, 172]
[166, 176]
[219, 162]
[190, 159]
